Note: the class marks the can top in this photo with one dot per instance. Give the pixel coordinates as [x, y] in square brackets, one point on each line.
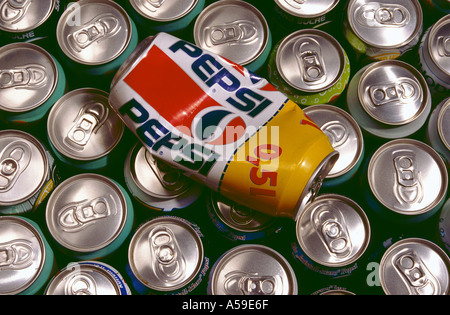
[82, 126]
[165, 253]
[438, 44]
[23, 255]
[28, 77]
[86, 278]
[310, 60]
[407, 176]
[344, 133]
[333, 230]
[162, 10]
[443, 124]
[94, 32]
[385, 23]
[233, 29]
[25, 15]
[24, 167]
[307, 9]
[393, 92]
[415, 266]
[252, 270]
[86, 212]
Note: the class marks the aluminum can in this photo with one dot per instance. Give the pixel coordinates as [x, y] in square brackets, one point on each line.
[438, 130]
[191, 134]
[345, 136]
[434, 53]
[83, 130]
[332, 234]
[163, 15]
[89, 216]
[157, 185]
[310, 67]
[167, 256]
[31, 80]
[444, 225]
[235, 30]
[27, 172]
[27, 260]
[252, 270]
[407, 179]
[385, 29]
[88, 278]
[415, 266]
[389, 99]
[239, 223]
[95, 36]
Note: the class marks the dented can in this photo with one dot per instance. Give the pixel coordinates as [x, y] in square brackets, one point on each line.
[83, 130]
[383, 30]
[26, 260]
[235, 30]
[252, 270]
[31, 81]
[27, 172]
[438, 130]
[415, 266]
[389, 99]
[166, 256]
[157, 185]
[89, 216]
[310, 67]
[228, 127]
[88, 278]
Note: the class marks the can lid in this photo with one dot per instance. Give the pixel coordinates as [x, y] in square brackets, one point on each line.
[82, 126]
[233, 29]
[344, 133]
[333, 230]
[407, 177]
[310, 60]
[86, 278]
[28, 77]
[94, 32]
[165, 254]
[439, 44]
[86, 212]
[22, 255]
[163, 11]
[307, 9]
[443, 123]
[393, 92]
[415, 266]
[21, 16]
[24, 167]
[385, 23]
[252, 270]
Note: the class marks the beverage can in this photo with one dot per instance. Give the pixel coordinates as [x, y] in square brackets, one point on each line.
[444, 225]
[438, 130]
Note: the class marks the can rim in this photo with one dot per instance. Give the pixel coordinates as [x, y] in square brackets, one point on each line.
[170, 19]
[440, 123]
[49, 13]
[444, 20]
[307, 16]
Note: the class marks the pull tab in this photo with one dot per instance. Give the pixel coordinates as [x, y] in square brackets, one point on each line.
[31, 77]
[403, 91]
[78, 215]
[415, 274]
[12, 11]
[241, 215]
[167, 257]
[443, 46]
[374, 14]
[311, 63]
[98, 29]
[331, 227]
[14, 159]
[80, 284]
[16, 255]
[89, 120]
[296, 4]
[151, 5]
[407, 186]
[169, 178]
[336, 132]
[250, 284]
[235, 33]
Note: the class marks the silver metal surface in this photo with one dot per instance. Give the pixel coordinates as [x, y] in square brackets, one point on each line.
[443, 124]
[86, 213]
[415, 267]
[24, 15]
[252, 270]
[307, 8]
[163, 10]
[333, 230]
[407, 177]
[439, 45]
